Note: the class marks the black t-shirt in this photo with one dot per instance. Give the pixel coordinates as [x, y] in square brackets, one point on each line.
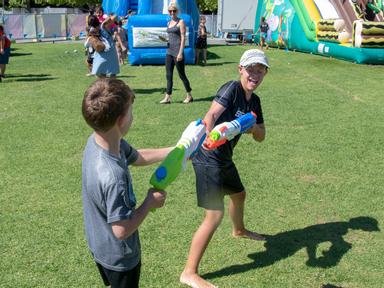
[264, 27]
[232, 96]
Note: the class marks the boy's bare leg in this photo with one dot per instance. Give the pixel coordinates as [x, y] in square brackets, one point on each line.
[204, 56]
[199, 243]
[236, 212]
[2, 69]
[197, 56]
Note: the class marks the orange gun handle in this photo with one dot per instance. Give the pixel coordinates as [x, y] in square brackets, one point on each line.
[210, 144]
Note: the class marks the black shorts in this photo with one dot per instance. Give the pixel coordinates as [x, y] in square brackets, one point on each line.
[201, 43]
[116, 279]
[213, 183]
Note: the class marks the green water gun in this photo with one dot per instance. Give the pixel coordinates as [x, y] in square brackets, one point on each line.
[190, 141]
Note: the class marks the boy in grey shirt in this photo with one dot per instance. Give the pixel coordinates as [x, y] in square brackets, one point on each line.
[111, 218]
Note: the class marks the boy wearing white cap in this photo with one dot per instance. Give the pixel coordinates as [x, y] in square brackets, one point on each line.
[216, 173]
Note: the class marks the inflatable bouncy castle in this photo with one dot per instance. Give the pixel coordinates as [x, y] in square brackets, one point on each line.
[351, 30]
[147, 36]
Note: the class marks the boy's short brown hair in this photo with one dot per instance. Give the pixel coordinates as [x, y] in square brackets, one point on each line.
[105, 101]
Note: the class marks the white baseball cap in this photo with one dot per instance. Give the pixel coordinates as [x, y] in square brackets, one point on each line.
[252, 57]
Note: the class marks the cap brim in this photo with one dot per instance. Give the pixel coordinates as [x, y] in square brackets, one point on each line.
[249, 63]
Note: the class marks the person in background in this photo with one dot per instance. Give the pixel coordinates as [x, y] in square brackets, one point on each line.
[5, 52]
[263, 29]
[93, 42]
[175, 55]
[99, 11]
[201, 41]
[130, 12]
[106, 62]
[121, 41]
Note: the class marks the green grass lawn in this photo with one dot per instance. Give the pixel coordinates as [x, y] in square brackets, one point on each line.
[320, 166]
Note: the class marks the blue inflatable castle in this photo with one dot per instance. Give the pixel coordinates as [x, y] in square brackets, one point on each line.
[147, 34]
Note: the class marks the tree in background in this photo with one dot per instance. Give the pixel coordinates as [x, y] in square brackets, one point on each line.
[207, 6]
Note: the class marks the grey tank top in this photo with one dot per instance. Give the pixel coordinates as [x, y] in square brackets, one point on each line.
[174, 39]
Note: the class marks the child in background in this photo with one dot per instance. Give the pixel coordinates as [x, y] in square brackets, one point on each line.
[216, 173]
[106, 62]
[201, 41]
[5, 51]
[263, 28]
[93, 42]
[121, 41]
[111, 218]
[99, 11]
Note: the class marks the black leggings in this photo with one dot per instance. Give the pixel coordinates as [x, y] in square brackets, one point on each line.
[170, 63]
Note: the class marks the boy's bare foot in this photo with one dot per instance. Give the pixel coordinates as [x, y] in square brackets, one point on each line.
[195, 281]
[248, 234]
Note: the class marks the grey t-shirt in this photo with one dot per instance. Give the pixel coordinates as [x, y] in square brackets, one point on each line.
[108, 197]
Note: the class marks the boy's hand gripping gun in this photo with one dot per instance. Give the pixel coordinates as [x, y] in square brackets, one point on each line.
[228, 130]
[190, 141]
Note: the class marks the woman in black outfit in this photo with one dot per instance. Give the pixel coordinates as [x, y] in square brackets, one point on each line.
[175, 55]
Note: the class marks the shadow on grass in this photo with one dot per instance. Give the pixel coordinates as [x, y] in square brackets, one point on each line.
[211, 55]
[286, 244]
[28, 77]
[207, 99]
[149, 91]
[19, 54]
[217, 64]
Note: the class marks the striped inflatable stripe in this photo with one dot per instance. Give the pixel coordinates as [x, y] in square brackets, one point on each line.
[328, 36]
[326, 25]
[372, 42]
[373, 28]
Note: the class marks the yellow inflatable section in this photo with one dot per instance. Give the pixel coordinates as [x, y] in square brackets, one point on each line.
[312, 10]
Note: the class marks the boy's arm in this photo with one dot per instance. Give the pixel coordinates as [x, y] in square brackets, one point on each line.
[150, 156]
[213, 114]
[2, 44]
[258, 132]
[125, 228]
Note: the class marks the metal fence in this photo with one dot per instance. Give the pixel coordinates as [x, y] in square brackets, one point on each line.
[40, 26]
[61, 26]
